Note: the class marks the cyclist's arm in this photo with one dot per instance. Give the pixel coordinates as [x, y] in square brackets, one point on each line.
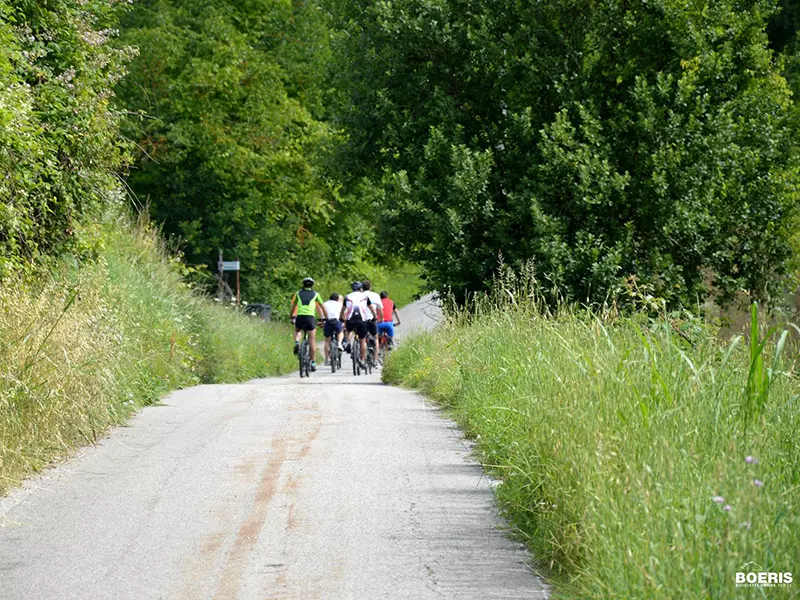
[293, 312]
[343, 314]
[396, 314]
[321, 308]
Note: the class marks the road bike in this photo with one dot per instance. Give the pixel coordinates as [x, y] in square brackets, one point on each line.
[355, 354]
[372, 361]
[304, 356]
[334, 353]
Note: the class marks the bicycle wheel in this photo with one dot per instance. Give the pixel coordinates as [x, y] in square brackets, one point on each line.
[334, 357]
[306, 358]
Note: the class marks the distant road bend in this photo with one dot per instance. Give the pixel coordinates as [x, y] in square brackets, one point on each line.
[328, 488]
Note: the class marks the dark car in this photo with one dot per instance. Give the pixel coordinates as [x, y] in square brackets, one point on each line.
[262, 311]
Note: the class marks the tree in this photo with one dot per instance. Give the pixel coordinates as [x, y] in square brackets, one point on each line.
[223, 95]
[598, 139]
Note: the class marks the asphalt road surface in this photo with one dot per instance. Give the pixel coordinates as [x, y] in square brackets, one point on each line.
[333, 487]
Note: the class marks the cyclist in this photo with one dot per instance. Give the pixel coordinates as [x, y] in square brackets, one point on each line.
[389, 315]
[304, 303]
[356, 311]
[372, 324]
[333, 326]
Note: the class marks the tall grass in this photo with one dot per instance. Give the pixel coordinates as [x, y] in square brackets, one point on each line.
[85, 348]
[637, 461]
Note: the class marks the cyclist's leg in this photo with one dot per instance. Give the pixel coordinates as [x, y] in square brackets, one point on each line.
[362, 337]
[312, 342]
[372, 329]
[328, 331]
[297, 333]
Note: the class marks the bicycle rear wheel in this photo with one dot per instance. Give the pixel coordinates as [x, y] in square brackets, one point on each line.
[307, 358]
[334, 357]
[355, 353]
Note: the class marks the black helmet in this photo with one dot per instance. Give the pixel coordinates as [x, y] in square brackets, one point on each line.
[308, 282]
[356, 286]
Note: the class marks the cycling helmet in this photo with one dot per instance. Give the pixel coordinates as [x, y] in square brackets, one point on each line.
[356, 286]
[308, 282]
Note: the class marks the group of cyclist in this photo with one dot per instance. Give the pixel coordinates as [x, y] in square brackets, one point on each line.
[361, 313]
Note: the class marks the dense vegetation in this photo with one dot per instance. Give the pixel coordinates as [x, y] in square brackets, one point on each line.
[60, 150]
[224, 95]
[637, 459]
[92, 343]
[599, 139]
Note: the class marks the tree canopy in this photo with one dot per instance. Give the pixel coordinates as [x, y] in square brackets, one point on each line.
[224, 96]
[597, 139]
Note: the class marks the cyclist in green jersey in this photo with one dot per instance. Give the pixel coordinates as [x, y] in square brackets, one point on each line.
[304, 303]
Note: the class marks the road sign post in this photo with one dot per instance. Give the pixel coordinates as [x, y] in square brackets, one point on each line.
[230, 265]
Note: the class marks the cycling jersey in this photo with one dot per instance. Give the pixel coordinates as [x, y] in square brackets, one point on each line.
[388, 310]
[334, 308]
[306, 302]
[358, 307]
[375, 301]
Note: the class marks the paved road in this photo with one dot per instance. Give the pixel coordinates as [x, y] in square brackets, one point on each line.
[334, 487]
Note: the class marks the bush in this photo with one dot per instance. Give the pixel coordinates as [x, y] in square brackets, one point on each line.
[95, 342]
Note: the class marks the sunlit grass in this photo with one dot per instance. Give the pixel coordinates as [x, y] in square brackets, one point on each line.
[632, 459]
[86, 348]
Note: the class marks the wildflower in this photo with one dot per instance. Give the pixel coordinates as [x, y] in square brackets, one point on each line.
[751, 460]
[718, 499]
[758, 483]
[745, 525]
[727, 507]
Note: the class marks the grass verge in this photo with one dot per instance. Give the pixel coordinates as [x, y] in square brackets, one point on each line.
[636, 462]
[85, 349]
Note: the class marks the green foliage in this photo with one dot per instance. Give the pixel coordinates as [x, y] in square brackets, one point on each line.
[84, 349]
[223, 98]
[600, 139]
[621, 445]
[59, 143]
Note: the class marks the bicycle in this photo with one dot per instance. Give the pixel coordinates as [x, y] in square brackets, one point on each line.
[304, 356]
[334, 354]
[355, 354]
[371, 358]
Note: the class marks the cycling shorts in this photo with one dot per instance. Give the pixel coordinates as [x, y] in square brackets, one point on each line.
[332, 327]
[372, 327]
[358, 326]
[388, 327]
[305, 323]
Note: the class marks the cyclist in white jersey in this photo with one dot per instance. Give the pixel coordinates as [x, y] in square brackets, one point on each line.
[357, 310]
[333, 327]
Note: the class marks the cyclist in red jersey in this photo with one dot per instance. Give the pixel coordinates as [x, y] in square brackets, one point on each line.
[389, 315]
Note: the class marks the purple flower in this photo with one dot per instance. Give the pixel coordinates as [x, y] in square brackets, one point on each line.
[718, 499]
[726, 507]
[751, 460]
[758, 483]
